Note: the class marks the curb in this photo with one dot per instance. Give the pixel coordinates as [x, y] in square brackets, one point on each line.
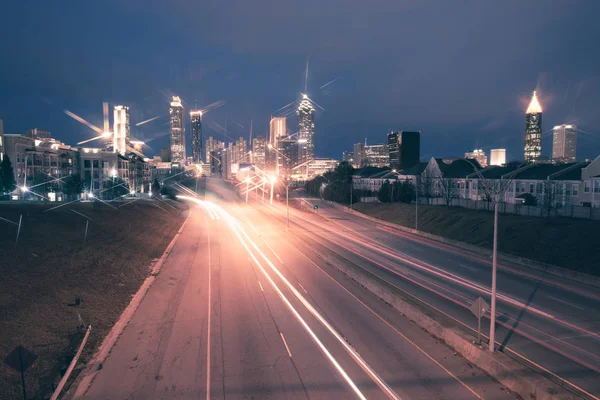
[561, 272]
[515, 376]
[86, 377]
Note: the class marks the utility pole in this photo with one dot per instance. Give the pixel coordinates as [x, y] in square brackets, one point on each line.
[494, 266]
[417, 203]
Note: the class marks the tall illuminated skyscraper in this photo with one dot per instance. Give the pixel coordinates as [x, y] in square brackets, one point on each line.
[306, 130]
[564, 143]
[122, 129]
[197, 147]
[277, 131]
[533, 130]
[259, 148]
[177, 130]
[498, 157]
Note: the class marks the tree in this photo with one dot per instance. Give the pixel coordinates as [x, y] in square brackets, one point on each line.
[155, 187]
[448, 188]
[529, 200]
[7, 175]
[117, 187]
[426, 187]
[385, 192]
[73, 185]
[405, 192]
[549, 196]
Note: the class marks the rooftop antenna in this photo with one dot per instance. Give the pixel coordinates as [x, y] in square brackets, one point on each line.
[306, 75]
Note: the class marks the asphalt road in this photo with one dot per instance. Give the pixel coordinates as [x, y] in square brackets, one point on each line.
[547, 321]
[244, 310]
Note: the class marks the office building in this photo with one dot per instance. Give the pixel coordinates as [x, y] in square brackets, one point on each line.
[359, 155]
[259, 152]
[319, 166]
[498, 157]
[348, 156]
[564, 143]
[177, 131]
[404, 149]
[277, 130]
[306, 130]
[165, 154]
[196, 117]
[478, 155]
[376, 155]
[533, 130]
[240, 151]
[121, 129]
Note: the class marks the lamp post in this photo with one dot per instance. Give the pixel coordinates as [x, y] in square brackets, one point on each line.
[247, 188]
[263, 189]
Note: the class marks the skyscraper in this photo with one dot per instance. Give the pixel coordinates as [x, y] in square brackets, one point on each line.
[533, 130]
[359, 155]
[213, 146]
[564, 143]
[498, 157]
[277, 130]
[376, 155]
[177, 130]
[240, 151]
[121, 128]
[306, 130]
[197, 147]
[404, 148]
[478, 155]
[259, 147]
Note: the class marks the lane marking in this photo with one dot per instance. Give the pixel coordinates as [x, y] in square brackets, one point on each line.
[209, 317]
[305, 291]
[285, 344]
[467, 267]
[567, 303]
[261, 288]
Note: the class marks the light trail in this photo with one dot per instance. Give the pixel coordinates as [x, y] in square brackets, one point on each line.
[148, 120]
[329, 83]
[83, 121]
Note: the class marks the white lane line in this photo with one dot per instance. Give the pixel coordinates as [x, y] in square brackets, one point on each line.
[261, 236]
[305, 291]
[467, 267]
[209, 312]
[565, 302]
[286, 345]
[261, 288]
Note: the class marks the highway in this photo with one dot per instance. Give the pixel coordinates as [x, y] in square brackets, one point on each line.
[548, 322]
[242, 309]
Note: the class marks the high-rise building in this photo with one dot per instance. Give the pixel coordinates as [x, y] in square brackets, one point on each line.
[404, 149]
[213, 146]
[259, 152]
[306, 130]
[240, 151]
[177, 130]
[359, 155]
[498, 157]
[288, 155]
[277, 130]
[564, 143]
[478, 155]
[376, 155]
[348, 156]
[196, 117]
[121, 128]
[165, 154]
[533, 130]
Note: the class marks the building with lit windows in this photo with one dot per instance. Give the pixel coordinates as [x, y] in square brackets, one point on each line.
[376, 155]
[177, 120]
[478, 155]
[533, 130]
[564, 143]
[306, 130]
[404, 149]
[213, 147]
[197, 150]
[277, 131]
[259, 152]
[121, 129]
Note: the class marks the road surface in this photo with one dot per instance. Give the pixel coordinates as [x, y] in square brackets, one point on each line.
[241, 310]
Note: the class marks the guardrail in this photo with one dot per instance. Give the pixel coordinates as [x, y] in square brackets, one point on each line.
[65, 377]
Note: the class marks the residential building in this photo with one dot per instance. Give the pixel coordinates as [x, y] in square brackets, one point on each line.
[196, 117]
[121, 129]
[478, 155]
[259, 152]
[39, 134]
[359, 155]
[177, 121]
[212, 146]
[564, 143]
[498, 157]
[240, 151]
[589, 189]
[372, 178]
[404, 149]
[533, 130]
[306, 130]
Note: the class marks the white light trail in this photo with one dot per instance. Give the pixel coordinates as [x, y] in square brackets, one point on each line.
[329, 83]
[83, 121]
[148, 120]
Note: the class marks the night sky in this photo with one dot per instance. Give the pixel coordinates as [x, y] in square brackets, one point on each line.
[462, 72]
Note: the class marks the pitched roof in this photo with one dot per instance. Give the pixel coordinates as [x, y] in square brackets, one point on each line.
[540, 171]
[456, 167]
[493, 172]
[570, 174]
[416, 169]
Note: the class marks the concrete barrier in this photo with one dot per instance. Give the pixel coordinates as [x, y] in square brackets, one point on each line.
[539, 266]
[514, 375]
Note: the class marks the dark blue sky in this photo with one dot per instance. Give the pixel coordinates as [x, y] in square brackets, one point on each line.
[459, 71]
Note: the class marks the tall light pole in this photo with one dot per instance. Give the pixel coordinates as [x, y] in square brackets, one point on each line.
[263, 189]
[247, 188]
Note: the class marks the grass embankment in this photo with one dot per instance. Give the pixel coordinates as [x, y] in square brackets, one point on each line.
[565, 242]
[50, 268]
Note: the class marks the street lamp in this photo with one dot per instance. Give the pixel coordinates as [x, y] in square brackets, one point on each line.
[247, 188]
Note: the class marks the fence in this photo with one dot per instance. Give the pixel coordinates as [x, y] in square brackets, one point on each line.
[521, 209]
